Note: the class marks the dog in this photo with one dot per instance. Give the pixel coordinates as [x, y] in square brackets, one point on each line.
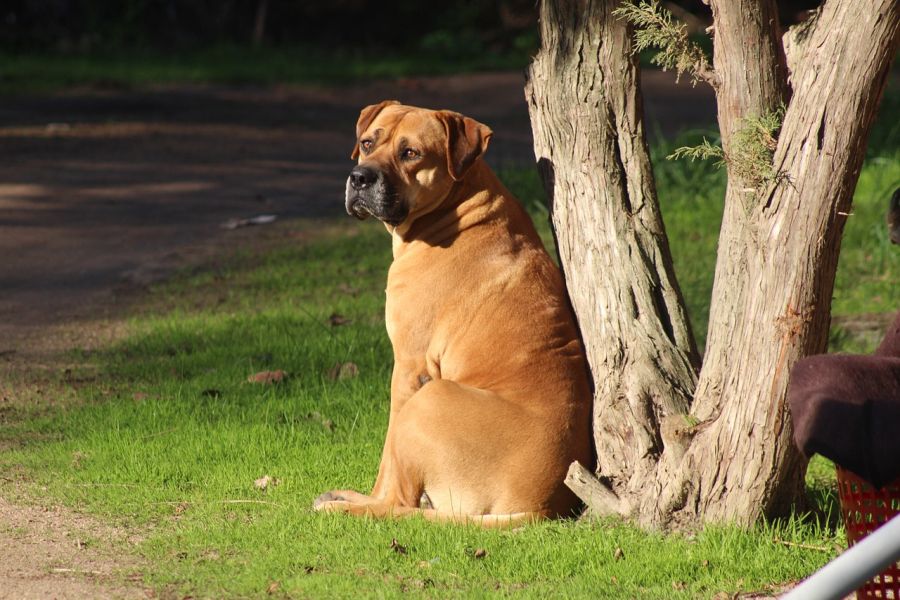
[490, 392]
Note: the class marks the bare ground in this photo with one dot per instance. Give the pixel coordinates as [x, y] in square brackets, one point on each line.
[51, 552]
[103, 193]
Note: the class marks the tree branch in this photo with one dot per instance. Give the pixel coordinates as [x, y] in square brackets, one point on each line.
[706, 73]
[655, 27]
[598, 497]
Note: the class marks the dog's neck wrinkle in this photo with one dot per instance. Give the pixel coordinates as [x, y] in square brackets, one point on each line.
[470, 202]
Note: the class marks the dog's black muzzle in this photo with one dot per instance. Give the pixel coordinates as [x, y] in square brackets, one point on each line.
[369, 192]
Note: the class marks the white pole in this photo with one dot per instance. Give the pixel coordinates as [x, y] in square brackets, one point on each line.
[852, 568]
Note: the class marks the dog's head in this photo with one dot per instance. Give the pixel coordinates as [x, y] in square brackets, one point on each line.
[408, 160]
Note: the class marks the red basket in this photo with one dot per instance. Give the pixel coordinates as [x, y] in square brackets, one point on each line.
[865, 509]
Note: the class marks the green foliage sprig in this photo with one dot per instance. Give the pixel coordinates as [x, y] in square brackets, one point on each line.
[703, 151]
[655, 27]
[753, 148]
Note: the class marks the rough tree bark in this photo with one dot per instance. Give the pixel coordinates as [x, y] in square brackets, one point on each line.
[673, 449]
[589, 138]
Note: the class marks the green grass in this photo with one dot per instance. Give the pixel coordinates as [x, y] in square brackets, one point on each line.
[169, 438]
[166, 436]
[124, 68]
[36, 72]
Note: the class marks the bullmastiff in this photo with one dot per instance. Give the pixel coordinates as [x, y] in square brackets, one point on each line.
[490, 397]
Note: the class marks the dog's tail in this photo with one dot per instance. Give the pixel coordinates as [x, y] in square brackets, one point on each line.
[384, 511]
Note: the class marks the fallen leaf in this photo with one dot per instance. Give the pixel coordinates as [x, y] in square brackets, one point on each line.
[265, 481]
[619, 554]
[342, 371]
[273, 587]
[337, 320]
[396, 547]
[268, 377]
[480, 553]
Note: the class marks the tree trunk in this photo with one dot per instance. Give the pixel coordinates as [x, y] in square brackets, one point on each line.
[733, 459]
[750, 447]
[587, 119]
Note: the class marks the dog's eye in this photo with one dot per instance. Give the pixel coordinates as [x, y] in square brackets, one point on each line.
[366, 146]
[409, 154]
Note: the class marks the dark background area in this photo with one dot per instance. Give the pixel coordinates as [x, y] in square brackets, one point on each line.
[452, 29]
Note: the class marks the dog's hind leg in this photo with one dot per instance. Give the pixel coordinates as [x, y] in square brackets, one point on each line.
[474, 452]
[446, 441]
[381, 510]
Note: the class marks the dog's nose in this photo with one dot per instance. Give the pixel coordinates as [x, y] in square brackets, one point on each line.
[362, 177]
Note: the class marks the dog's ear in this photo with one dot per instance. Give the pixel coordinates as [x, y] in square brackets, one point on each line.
[467, 139]
[366, 116]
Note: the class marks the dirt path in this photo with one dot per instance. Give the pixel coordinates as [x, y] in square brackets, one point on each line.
[57, 553]
[103, 193]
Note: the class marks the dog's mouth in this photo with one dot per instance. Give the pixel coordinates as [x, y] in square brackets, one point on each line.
[356, 208]
[392, 214]
[381, 203]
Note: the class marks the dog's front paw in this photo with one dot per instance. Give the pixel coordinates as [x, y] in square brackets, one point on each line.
[333, 506]
[331, 496]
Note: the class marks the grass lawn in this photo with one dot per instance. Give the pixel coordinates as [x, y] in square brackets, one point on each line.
[30, 72]
[166, 435]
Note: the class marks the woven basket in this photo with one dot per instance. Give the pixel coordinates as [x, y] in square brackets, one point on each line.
[865, 509]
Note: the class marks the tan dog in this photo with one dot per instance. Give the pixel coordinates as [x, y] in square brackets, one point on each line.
[490, 400]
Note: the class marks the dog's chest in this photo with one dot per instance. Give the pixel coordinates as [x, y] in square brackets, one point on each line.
[410, 310]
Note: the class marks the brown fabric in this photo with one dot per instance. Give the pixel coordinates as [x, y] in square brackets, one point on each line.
[847, 408]
[890, 345]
